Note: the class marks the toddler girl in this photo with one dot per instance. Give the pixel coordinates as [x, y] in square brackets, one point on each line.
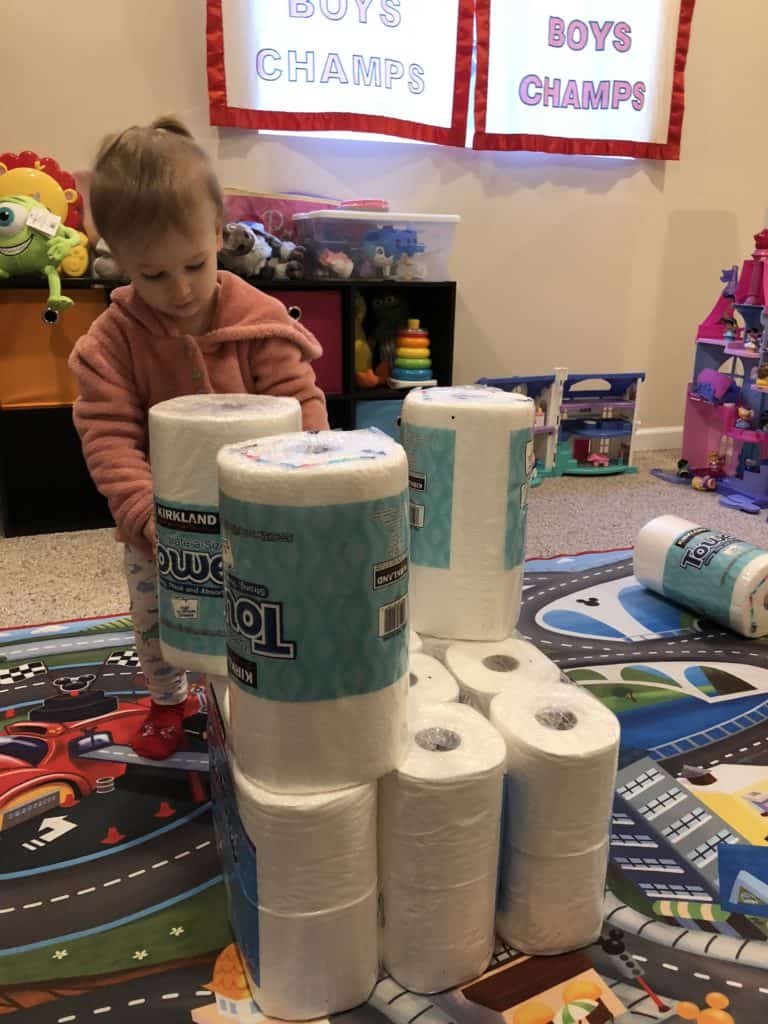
[181, 327]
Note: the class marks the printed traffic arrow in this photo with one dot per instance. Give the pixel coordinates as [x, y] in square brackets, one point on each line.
[53, 828]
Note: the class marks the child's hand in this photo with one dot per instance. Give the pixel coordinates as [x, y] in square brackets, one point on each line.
[150, 534]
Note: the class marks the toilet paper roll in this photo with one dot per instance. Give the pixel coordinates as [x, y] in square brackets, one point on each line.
[315, 545]
[551, 905]
[314, 852]
[439, 846]
[470, 454]
[318, 964]
[415, 644]
[185, 435]
[485, 670]
[562, 755]
[712, 573]
[430, 683]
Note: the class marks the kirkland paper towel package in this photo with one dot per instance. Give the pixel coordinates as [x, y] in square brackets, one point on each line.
[315, 545]
[314, 887]
[710, 572]
[483, 670]
[439, 821]
[430, 683]
[185, 436]
[470, 454]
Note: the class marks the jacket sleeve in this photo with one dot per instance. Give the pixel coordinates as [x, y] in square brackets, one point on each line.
[113, 428]
[280, 367]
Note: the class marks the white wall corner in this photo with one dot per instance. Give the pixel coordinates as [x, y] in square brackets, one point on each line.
[655, 439]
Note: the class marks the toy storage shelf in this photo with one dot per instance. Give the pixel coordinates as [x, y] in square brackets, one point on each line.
[606, 429]
[44, 484]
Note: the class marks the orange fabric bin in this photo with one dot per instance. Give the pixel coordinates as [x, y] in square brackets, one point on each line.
[33, 356]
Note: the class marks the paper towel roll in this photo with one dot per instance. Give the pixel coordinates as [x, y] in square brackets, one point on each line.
[705, 570]
[185, 435]
[439, 846]
[484, 670]
[430, 683]
[315, 886]
[319, 964]
[315, 539]
[551, 905]
[470, 453]
[562, 755]
[314, 851]
[415, 644]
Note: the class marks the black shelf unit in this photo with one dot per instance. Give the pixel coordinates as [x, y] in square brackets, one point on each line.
[63, 498]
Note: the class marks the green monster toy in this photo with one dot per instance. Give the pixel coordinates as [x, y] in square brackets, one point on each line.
[34, 241]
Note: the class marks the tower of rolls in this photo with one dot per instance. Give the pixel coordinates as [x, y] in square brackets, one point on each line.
[370, 780]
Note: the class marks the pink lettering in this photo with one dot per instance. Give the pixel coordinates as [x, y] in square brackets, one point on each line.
[622, 42]
[261, 65]
[529, 98]
[334, 71]
[296, 66]
[596, 96]
[556, 33]
[393, 71]
[334, 13]
[551, 93]
[601, 33]
[622, 91]
[578, 35]
[639, 96]
[570, 97]
[300, 8]
[362, 10]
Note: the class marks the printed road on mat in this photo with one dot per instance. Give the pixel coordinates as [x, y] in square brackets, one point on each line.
[111, 899]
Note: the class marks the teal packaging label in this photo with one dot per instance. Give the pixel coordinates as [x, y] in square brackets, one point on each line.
[701, 569]
[431, 456]
[316, 598]
[521, 460]
[190, 578]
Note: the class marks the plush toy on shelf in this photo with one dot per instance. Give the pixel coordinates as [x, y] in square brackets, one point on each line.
[364, 375]
[34, 241]
[245, 251]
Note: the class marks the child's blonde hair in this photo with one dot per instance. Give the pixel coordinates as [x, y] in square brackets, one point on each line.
[150, 178]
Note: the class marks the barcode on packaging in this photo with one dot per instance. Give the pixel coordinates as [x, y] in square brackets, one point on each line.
[393, 617]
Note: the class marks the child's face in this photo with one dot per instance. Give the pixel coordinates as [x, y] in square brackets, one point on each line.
[176, 273]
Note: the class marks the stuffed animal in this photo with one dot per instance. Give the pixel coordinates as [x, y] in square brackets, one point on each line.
[104, 264]
[286, 262]
[34, 241]
[244, 252]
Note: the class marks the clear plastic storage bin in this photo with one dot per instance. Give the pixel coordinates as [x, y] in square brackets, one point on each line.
[350, 244]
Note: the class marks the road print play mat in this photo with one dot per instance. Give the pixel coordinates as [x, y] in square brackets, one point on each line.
[112, 905]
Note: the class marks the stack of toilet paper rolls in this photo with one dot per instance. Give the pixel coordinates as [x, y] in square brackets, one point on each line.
[562, 754]
[315, 553]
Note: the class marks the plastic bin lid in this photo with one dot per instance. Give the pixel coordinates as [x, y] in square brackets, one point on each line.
[379, 218]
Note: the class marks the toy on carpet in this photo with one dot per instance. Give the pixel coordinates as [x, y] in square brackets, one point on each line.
[34, 241]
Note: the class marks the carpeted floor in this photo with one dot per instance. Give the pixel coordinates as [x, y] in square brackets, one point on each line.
[74, 575]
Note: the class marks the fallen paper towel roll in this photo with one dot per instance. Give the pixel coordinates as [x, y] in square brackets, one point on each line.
[430, 683]
[470, 453]
[485, 670]
[562, 756]
[439, 845]
[710, 572]
[185, 436]
[315, 539]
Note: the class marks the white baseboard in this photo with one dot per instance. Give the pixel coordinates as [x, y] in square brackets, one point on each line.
[655, 439]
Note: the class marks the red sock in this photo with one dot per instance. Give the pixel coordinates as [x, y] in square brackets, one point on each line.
[162, 733]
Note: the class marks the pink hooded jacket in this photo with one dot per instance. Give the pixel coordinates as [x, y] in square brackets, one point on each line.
[134, 357]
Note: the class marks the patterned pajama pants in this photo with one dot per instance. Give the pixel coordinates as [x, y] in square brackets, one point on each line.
[166, 684]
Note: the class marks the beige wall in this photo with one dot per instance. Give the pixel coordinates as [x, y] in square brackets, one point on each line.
[593, 264]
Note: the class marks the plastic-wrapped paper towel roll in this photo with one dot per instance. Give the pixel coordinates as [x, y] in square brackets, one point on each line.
[415, 644]
[430, 683]
[315, 538]
[470, 453]
[710, 572]
[484, 670]
[551, 905]
[438, 846]
[185, 435]
[562, 756]
[315, 888]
